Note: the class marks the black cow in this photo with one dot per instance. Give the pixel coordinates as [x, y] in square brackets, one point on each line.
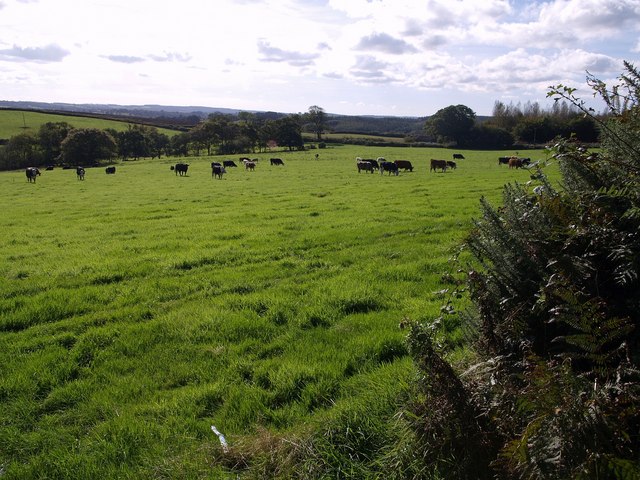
[80, 173]
[366, 166]
[435, 164]
[32, 173]
[458, 156]
[50, 167]
[110, 170]
[452, 165]
[217, 170]
[404, 164]
[388, 167]
[503, 160]
[276, 161]
[372, 162]
[181, 168]
[229, 163]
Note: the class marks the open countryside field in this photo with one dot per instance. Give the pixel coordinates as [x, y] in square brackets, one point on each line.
[14, 122]
[139, 309]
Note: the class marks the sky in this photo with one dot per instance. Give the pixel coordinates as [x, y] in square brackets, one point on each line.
[351, 57]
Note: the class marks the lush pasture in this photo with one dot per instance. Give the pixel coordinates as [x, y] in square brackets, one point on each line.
[14, 122]
[141, 308]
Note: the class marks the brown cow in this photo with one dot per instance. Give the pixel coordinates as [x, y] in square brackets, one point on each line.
[404, 164]
[515, 162]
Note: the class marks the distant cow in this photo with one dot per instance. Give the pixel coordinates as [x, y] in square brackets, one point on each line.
[515, 162]
[435, 164]
[452, 165]
[215, 164]
[50, 167]
[276, 161]
[32, 173]
[249, 165]
[503, 160]
[229, 163]
[80, 173]
[458, 156]
[372, 162]
[404, 164]
[388, 167]
[181, 168]
[110, 170]
[366, 166]
[217, 171]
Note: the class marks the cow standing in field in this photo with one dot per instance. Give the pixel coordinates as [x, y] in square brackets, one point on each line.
[229, 163]
[366, 166]
[80, 173]
[217, 170]
[249, 165]
[452, 165]
[503, 160]
[435, 164]
[276, 161]
[32, 173]
[458, 156]
[110, 170]
[181, 169]
[404, 164]
[515, 162]
[388, 167]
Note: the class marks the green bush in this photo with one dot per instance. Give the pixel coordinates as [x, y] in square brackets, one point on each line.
[554, 282]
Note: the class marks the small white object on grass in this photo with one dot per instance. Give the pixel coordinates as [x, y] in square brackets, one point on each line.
[223, 441]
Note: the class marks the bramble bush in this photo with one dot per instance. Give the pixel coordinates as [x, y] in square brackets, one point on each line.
[554, 390]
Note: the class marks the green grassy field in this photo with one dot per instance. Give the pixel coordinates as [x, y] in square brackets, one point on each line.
[14, 122]
[139, 309]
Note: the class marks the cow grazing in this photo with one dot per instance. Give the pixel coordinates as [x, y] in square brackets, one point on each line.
[458, 156]
[503, 160]
[388, 167]
[32, 173]
[404, 164]
[181, 169]
[515, 162]
[435, 164]
[452, 165]
[217, 171]
[229, 163]
[110, 170]
[249, 165]
[372, 162]
[276, 161]
[80, 173]
[366, 166]
[50, 167]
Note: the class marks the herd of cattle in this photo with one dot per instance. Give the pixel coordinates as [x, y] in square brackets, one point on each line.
[218, 169]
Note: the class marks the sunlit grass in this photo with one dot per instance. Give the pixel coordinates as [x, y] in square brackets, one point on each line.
[141, 308]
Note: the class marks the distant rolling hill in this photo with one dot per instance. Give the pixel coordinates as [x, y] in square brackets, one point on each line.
[183, 117]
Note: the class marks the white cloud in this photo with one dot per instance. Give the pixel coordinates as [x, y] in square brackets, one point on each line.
[48, 53]
[253, 51]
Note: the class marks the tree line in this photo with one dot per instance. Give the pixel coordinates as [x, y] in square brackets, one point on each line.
[511, 124]
[59, 143]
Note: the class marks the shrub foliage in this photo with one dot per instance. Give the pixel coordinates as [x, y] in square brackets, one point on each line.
[554, 283]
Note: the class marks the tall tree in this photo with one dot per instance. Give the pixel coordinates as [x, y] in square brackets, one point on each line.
[87, 146]
[317, 117]
[451, 124]
[50, 136]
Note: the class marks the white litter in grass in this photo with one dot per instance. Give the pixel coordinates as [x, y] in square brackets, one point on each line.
[223, 441]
